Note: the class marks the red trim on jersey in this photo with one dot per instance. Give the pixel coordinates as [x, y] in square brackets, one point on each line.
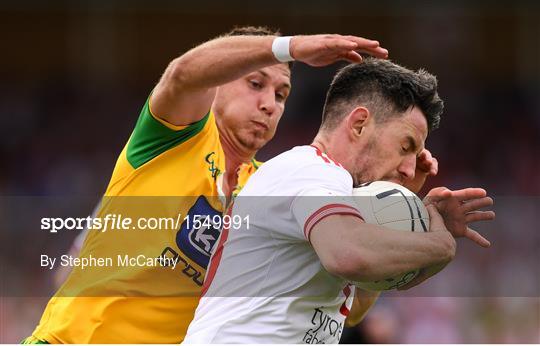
[327, 210]
[320, 154]
[344, 310]
[325, 156]
[216, 258]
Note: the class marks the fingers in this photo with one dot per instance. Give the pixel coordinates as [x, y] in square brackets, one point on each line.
[476, 216]
[437, 194]
[362, 42]
[322, 50]
[378, 52]
[477, 238]
[422, 156]
[423, 161]
[476, 204]
[434, 167]
[427, 163]
[351, 49]
[368, 46]
[362, 45]
[438, 191]
[353, 57]
[469, 193]
[341, 44]
[472, 198]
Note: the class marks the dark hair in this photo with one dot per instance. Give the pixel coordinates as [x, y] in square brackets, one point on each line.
[255, 31]
[385, 88]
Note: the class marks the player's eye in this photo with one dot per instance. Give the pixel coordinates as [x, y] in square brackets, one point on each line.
[255, 84]
[280, 97]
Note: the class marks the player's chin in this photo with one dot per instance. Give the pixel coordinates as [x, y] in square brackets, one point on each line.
[254, 143]
[257, 139]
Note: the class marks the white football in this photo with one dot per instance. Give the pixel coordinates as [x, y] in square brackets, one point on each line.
[393, 206]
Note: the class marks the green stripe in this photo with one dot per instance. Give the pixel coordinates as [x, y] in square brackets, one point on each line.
[151, 138]
[254, 163]
[31, 341]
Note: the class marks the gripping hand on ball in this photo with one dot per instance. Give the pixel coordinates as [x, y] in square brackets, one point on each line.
[461, 207]
[436, 225]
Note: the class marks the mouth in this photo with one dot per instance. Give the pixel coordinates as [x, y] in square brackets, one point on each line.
[261, 125]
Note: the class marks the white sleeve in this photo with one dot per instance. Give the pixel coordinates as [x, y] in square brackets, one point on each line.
[329, 192]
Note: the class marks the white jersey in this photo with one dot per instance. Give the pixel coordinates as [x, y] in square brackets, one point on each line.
[265, 283]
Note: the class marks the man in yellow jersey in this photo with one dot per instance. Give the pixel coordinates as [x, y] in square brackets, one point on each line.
[192, 146]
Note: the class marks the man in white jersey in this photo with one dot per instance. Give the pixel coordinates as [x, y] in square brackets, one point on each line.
[283, 276]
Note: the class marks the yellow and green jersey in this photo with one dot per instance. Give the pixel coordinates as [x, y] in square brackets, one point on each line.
[164, 172]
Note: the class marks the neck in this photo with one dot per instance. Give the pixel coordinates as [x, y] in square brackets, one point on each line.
[233, 159]
[321, 143]
[329, 145]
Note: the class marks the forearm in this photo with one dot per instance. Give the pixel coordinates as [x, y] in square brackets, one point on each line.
[220, 61]
[358, 251]
[363, 301]
[187, 88]
[386, 252]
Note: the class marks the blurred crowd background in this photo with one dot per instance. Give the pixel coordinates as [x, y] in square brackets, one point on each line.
[75, 75]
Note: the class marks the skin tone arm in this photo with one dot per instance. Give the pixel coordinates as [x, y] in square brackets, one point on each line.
[384, 253]
[349, 248]
[187, 88]
[363, 301]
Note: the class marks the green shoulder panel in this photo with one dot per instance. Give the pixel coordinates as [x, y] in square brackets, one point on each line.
[33, 341]
[151, 138]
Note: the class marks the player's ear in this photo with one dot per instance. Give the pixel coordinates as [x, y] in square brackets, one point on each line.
[357, 120]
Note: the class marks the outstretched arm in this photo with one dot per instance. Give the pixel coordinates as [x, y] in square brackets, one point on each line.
[187, 88]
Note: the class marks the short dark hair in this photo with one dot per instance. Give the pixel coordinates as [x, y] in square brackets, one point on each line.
[385, 88]
[256, 31]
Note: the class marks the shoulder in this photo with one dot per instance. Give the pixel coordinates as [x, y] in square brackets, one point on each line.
[298, 169]
[308, 161]
[153, 136]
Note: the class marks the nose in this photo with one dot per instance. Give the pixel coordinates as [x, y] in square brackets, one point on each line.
[407, 167]
[267, 102]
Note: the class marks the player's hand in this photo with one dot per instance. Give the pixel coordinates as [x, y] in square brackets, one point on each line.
[322, 50]
[461, 207]
[426, 165]
[436, 224]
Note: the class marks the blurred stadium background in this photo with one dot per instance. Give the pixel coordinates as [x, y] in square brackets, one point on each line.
[76, 73]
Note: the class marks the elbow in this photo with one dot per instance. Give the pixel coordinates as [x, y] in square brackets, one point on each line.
[176, 74]
[350, 266]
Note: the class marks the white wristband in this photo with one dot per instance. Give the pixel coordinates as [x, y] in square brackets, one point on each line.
[280, 48]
